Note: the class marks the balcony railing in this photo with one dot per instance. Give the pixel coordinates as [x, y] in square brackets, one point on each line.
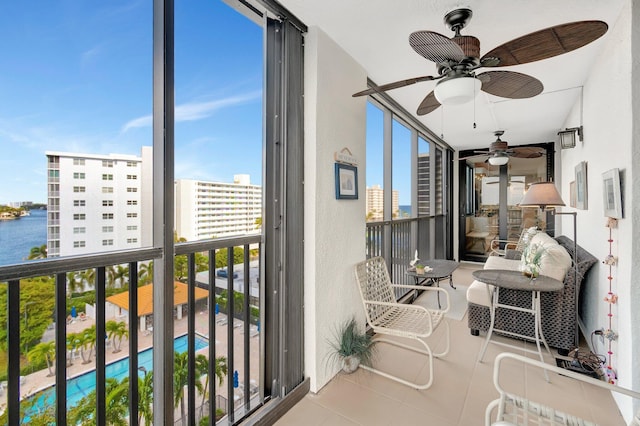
[397, 241]
[217, 309]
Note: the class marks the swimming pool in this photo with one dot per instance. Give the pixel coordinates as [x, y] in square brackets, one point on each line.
[80, 386]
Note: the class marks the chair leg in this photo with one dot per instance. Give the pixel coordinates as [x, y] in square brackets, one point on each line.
[427, 352]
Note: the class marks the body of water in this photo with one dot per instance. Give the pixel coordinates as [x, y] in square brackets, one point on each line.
[18, 236]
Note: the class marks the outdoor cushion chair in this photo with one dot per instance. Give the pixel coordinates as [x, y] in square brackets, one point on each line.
[388, 317]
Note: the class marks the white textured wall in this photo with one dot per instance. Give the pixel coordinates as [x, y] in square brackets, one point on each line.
[334, 229]
[609, 117]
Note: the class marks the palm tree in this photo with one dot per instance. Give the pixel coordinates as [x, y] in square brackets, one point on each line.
[117, 404]
[74, 283]
[87, 342]
[116, 330]
[202, 369]
[145, 274]
[89, 276]
[44, 351]
[120, 275]
[38, 252]
[74, 341]
[180, 379]
[145, 398]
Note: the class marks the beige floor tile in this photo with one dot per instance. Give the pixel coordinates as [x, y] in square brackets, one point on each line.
[462, 387]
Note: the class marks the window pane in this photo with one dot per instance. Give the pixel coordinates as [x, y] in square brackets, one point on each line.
[424, 178]
[375, 163]
[79, 76]
[401, 171]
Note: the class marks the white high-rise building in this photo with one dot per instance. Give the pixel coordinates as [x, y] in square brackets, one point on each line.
[375, 203]
[217, 209]
[98, 202]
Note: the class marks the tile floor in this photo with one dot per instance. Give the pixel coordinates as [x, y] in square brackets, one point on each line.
[461, 390]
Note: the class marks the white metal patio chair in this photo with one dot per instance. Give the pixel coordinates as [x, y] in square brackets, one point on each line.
[517, 410]
[388, 317]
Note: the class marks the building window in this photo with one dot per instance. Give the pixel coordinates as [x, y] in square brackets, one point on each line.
[107, 176]
[107, 242]
[132, 227]
[131, 164]
[107, 203]
[132, 202]
[132, 177]
[79, 189]
[78, 161]
[107, 215]
[77, 244]
[78, 175]
[107, 163]
[107, 189]
[132, 240]
[132, 214]
[132, 189]
[79, 230]
[107, 229]
[79, 216]
[54, 173]
[79, 203]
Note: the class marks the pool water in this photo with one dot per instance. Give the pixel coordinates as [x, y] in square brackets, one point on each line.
[80, 386]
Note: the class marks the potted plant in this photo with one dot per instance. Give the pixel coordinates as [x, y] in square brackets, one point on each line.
[531, 260]
[419, 268]
[352, 347]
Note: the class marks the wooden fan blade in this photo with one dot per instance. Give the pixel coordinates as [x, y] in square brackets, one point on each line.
[428, 104]
[394, 85]
[474, 156]
[527, 152]
[435, 47]
[547, 43]
[509, 84]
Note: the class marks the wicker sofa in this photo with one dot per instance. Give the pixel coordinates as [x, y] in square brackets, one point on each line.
[558, 308]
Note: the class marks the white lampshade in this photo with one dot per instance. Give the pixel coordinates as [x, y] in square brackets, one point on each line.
[457, 90]
[541, 194]
[499, 160]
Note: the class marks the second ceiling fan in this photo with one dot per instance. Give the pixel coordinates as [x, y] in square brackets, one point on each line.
[499, 151]
[458, 58]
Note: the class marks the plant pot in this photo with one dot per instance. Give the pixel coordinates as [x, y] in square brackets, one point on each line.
[420, 271]
[350, 364]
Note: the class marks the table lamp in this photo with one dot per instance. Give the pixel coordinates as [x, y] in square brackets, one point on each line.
[543, 195]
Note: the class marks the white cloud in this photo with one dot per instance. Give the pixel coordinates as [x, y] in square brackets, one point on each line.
[193, 111]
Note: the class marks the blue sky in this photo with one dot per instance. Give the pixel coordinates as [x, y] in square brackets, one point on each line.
[77, 77]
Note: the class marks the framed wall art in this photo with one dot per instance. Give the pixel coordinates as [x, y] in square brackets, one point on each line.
[346, 182]
[572, 194]
[581, 186]
[612, 196]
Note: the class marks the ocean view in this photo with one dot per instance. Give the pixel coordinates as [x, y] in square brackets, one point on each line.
[18, 236]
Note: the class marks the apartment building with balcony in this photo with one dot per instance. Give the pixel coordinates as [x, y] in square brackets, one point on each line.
[217, 209]
[97, 202]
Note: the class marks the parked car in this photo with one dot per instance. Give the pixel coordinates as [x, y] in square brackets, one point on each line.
[222, 273]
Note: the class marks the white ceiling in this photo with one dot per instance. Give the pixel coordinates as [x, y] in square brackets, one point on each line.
[376, 33]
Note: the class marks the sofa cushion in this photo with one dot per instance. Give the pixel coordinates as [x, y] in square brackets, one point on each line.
[556, 262]
[477, 291]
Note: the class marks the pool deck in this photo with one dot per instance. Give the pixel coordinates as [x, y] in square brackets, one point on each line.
[41, 380]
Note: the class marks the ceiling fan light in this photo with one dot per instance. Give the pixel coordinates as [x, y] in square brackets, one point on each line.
[499, 160]
[457, 90]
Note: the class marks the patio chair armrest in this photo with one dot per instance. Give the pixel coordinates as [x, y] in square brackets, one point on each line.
[551, 368]
[423, 288]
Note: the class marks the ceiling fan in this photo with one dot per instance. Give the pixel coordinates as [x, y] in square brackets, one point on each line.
[458, 58]
[499, 151]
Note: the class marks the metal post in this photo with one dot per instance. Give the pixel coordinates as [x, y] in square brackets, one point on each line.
[575, 270]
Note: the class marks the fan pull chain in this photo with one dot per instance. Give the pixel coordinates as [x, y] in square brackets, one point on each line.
[474, 104]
